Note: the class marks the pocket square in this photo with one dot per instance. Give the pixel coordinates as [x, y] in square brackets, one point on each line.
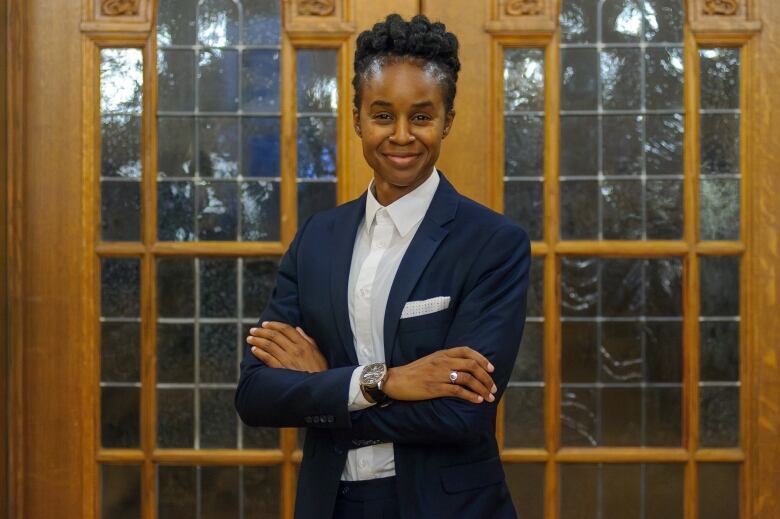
[427, 306]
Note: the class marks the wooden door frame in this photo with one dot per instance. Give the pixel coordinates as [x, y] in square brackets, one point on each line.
[46, 481]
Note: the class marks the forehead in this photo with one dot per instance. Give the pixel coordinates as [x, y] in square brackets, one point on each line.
[404, 81]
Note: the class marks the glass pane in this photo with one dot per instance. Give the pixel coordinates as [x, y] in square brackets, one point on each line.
[259, 282]
[524, 416]
[120, 211]
[578, 21]
[621, 356]
[663, 20]
[620, 78]
[316, 147]
[175, 287]
[217, 217]
[719, 422]
[175, 80]
[175, 150]
[175, 211]
[621, 21]
[120, 351]
[218, 80]
[316, 81]
[218, 288]
[719, 286]
[261, 146]
[314, 197]
[218, 418]
[218, 22]
[526, 484]
[218, 138]
[260, 211]
[120, 292]
[120, 146]
[664, 73]
[121, 81]
[262, 492]
[175, 418]
[579, 79]
[176, 22]
[219, 353]
[664, 145]
[262, 22]
[120, 491]
[524, 146]
[524, 204]
[523, 80]
[720, 144]
[120, 417]
[175, 353]
[579, 215]
[664, 209]
[621, 490]
[622, 145]
[260, 81]
[720, 71]
[219, 492]
[579, 145]
[719, 203]
[176, 492]
[719, 490]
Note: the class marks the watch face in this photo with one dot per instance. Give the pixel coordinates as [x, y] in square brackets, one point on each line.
[372, 374]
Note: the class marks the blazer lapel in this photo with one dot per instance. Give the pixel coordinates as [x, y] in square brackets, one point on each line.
[426, 241]
[343, 233]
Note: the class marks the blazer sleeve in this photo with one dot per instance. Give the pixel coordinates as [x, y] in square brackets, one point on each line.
[275, 397]
[489, 319]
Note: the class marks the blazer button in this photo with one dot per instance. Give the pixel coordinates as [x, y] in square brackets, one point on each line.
[316, 419]
[330, 419]
[307, 419]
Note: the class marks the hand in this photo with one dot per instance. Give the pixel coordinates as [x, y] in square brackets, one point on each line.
[279, 345]
[429, 377]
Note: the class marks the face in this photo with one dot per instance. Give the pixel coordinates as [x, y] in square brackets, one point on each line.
[401, 122]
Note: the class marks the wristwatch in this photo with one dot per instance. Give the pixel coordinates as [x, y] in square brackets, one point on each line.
[372, 380]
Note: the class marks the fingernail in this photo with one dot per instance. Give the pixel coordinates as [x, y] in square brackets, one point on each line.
[264, 323]
[252, 330]
[490, 367]
[479, 398]
[494, 388]
[254, 349]
[491, 397]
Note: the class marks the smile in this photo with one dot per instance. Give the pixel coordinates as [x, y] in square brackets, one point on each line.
[401, 160]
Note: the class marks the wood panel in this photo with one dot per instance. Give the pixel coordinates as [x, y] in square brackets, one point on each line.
[764, 282]
[4, 349]
[47, 324]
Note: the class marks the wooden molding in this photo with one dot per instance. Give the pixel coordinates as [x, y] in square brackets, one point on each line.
[727, 17]
[315, 7]
[523, 7]
[120, 7]
[513, 17]
[317, 17]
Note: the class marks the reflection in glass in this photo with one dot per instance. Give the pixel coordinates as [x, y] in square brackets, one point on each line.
[523, 79]
[316, 81]
[120, 491]
[719, 490]
[217, 23]
[260, 80]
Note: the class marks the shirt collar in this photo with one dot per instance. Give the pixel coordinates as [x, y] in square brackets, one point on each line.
[407, 211]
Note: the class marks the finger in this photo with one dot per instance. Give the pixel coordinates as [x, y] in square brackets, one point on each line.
[283, 328]
[463, 393]
[266, 358]
[275, 336]
[304, 335]
[473, 384]
[476, 370]
[269, 347]
[470, 353]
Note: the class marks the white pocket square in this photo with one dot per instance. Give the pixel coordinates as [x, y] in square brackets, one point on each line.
[427, 306]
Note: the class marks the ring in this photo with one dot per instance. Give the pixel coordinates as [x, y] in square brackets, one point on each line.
[453, 377]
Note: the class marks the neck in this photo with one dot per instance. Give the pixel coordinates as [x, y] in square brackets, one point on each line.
[387, 193]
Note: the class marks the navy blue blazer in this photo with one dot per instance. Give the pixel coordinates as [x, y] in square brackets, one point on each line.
[446, 457]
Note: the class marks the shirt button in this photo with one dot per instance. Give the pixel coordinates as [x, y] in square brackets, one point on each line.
[362, 464]
[365, 292]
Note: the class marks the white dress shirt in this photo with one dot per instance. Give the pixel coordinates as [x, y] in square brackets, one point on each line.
[381, 241]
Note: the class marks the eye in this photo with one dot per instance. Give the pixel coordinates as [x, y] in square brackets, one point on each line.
[384, 116]
[421, 117]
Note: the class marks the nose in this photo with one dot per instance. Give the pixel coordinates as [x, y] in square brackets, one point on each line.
[401, 134]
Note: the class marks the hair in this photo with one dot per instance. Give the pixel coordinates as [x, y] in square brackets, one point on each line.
[418, 41]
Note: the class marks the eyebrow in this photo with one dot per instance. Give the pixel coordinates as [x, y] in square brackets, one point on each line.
[383, 103]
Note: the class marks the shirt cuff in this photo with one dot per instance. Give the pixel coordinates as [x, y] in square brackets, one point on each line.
[356, 399]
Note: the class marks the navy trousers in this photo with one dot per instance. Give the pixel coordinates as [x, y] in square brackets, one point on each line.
[368, 499]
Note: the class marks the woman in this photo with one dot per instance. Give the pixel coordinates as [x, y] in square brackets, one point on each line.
[396, 319]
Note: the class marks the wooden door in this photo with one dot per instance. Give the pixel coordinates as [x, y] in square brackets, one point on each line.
[161, 154]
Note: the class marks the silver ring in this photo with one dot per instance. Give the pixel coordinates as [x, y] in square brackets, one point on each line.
[453, 377]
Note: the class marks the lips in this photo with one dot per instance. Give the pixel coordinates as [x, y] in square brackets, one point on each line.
[401, 160]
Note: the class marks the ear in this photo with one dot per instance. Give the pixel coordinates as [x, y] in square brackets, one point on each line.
[448, 120]
[356, 120]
